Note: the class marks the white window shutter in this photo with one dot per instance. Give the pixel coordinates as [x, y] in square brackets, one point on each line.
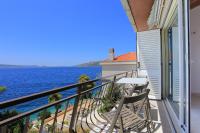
[175, 65]
[149, 56]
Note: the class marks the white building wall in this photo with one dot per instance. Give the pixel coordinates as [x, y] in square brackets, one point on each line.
[195, 49]
[117, 68]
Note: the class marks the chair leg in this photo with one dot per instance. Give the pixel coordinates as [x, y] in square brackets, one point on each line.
[121, 125]
[138, 131]
[148, 127]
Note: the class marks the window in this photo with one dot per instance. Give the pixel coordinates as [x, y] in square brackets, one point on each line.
[173, 62]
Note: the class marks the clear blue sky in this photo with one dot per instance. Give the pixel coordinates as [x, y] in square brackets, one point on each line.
[62, 32]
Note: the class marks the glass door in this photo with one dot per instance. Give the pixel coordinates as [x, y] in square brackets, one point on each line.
[173, 65]
[178, 91]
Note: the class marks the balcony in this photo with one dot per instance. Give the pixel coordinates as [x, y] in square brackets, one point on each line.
[81, 112]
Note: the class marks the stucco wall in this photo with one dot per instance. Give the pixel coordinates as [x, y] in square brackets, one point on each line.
[195, 50]
[117, 68]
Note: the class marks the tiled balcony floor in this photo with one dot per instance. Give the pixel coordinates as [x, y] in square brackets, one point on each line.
[195, 115]
[98, 124]
[159, 117]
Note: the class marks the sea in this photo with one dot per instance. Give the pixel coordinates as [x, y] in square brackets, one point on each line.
[25, 81]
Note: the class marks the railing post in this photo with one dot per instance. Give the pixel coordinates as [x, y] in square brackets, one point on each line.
[132, 74]
[126, 74]
[3, 129]
[27, 120]
[113, 85]
[65, 112]
[75, 110]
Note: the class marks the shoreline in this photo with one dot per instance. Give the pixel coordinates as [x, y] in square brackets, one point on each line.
[49, 121]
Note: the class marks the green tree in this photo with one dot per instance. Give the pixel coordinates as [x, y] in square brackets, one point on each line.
[84, 78]
[15, 127]
[109, 100]
[42, 116]
[2, 88]
[53, 98]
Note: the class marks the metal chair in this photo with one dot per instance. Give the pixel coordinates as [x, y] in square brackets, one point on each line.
[125, 120]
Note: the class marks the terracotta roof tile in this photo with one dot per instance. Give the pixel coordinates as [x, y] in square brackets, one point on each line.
[131, 56]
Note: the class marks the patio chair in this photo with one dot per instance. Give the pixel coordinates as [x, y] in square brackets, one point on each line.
[125, 120]
[135, 89]
[140, 88]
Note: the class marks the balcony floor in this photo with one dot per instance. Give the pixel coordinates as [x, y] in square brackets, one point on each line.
[159, 117]
[158, 112]
[98, 124]
[195, 115]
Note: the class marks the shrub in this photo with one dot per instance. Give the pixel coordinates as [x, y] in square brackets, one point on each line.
[33, 131]
[110, 98]
[2, 88]
[14, 127]
[66, 122]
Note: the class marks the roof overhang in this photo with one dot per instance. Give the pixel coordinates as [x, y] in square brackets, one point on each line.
[138, 12]
[147, 14]
[126, 6]
[194, 3]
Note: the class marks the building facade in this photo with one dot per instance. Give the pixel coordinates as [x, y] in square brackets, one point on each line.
[163, 29]
[118, 64]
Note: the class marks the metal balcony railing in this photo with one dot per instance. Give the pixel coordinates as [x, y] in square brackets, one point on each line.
[79, 112]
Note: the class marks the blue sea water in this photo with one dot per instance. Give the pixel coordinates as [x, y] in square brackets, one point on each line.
[25, 81]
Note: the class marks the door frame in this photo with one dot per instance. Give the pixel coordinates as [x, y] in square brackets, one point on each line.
[181, 125]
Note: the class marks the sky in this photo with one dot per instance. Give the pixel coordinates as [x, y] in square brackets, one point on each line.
[62, 32]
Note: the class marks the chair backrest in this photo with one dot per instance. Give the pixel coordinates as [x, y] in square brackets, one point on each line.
[142, 74]
[126, 100]
[141, 87]
[133, 99]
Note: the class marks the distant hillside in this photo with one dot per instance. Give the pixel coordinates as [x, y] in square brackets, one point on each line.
[90, 64]
[16, 66]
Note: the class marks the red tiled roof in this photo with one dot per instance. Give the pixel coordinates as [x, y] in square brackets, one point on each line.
[131, 56]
